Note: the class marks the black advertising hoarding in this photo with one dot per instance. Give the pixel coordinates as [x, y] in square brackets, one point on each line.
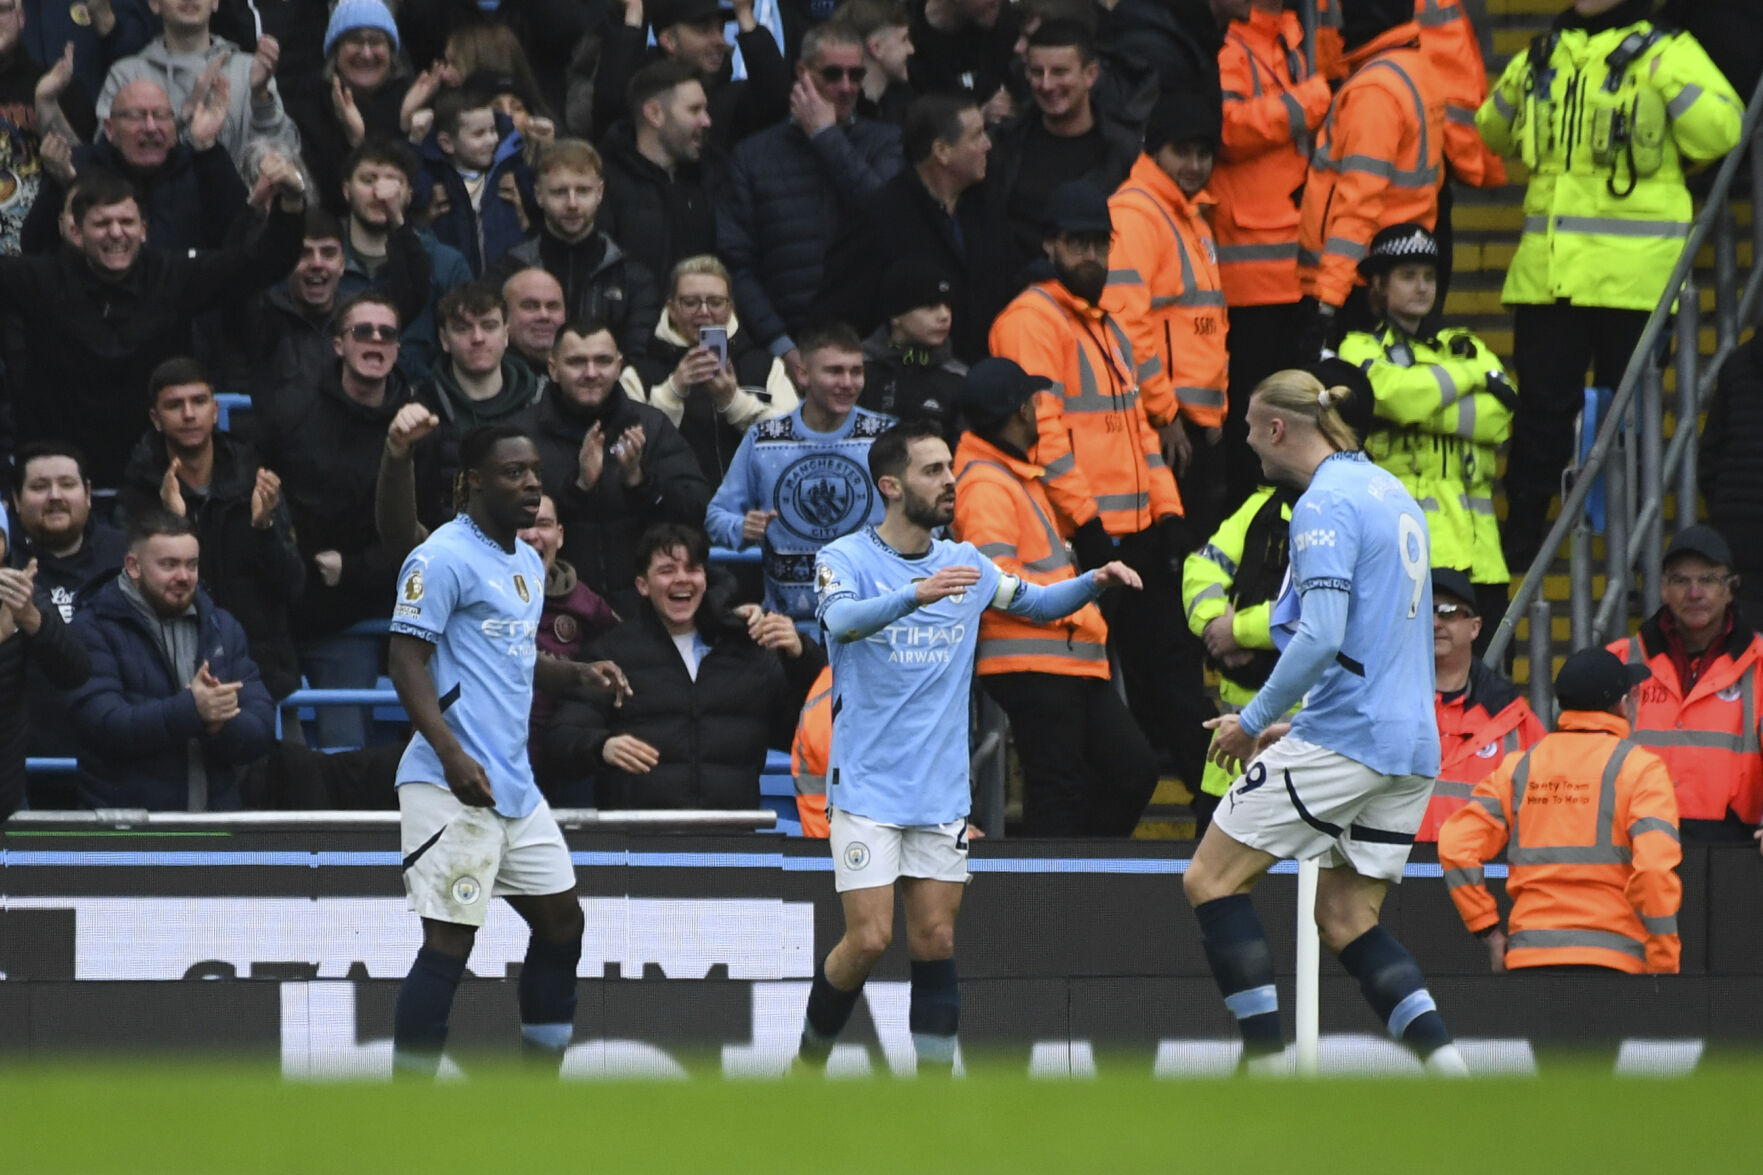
[1074, 956]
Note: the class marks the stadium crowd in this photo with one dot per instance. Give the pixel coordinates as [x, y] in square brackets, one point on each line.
[703, 255]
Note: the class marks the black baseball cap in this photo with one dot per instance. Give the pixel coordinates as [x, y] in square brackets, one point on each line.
[1448, 581]
[1699, 540]
[1077, 206]
[667, 13]
[1596, 679]
[994, 388]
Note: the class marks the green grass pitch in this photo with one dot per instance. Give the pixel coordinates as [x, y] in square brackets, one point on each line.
[142, 1117]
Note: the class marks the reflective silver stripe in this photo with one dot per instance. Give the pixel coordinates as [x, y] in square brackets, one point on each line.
[1636, 654]
[1225, 563]
[1654, 824]
[1295, 117]
[1123, 501]
[1542, 940]
[1190, 298]
[1191, 295]
[1448, 392]
[1201, 397]
[1430, 505]
[1309, 258]
[1059, 467]
[1744, 743]
[1685, 99]
[997, 550]
[1364, 164]
[1125, 277]
[1421, 176]
[1504, 108]
[1458, 878]
[1572, 855]
[1345, 247]
[1432, 16]
[1056, 558]
[1536, 224]
[1480, 505]
[1232, 254]
[1461, 115]
[810, 785]
[1155, 461]
[1027, 646]
[1612, 226]
[1150, 367]
[1451, 789]
[1491, 806]
[1232, 96]
[1660, 923]
[1466, 418]
[1211, 591]
[1603, 851]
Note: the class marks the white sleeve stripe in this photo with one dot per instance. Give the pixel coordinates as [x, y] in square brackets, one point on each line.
[1007, 587]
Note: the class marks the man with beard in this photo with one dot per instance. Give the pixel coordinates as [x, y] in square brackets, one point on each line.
[174, 706]
[1104, 469]
[901, 612]
[658, 184]
[33, 642]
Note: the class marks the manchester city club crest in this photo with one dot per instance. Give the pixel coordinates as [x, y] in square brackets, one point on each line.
[823, 496]
[520, 586]
[413, 585]
[466, 890]
[856, 855]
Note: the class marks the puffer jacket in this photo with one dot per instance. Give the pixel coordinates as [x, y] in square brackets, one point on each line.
[486, 232]
[661, 219]
[787, 198]
[912, 383]
[190, 200]
[599, 280]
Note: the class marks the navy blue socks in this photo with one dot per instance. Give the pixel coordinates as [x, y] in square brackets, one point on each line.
[935, 1014]
[828, 1010]
[547, 999]
[419, 1027]
[1242, 963]
[1396, 990]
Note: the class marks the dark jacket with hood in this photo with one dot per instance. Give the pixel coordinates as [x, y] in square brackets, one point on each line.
[52, 659]
[1121, 144]
[712, 732]
[96, 341]
[1173, 42]
[601, 526]
[253, 574]
[326, 447]
[137, 719]
[486, 232]
[324, 147]
[599, 280]
[788, 197]
[661, 219]
[738, 108]
[62, 580]
[437, 459]
[912, 383]
[189, 202]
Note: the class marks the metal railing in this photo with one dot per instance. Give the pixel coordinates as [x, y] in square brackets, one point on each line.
[1630, 450]
[108, 819]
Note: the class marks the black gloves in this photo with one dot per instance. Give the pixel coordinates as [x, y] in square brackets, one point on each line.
[1093, 544]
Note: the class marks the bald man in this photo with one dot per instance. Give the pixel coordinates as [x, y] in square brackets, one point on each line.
[535, 311]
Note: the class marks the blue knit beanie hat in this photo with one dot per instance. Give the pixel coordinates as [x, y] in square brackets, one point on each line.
[350, 15]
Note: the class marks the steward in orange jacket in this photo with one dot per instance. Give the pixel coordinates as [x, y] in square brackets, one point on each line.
[1590, 827]
[1273, 103]
[1482, 716]
[1699, 712]
[808, 752]
[1452, 50]
[1086, 768]
[1378, 157]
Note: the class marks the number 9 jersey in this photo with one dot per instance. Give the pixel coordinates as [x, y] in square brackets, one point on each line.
[1357, 530]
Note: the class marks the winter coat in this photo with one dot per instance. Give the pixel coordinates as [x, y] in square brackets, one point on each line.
[1004, 167]
[324, 147]
[660, 218]
[189, 202]
[788, 197]
[601, 526]
[599, 280]
[902, 219]
[400, 278]
[51, 26]
[326, 447]
[56, 656]
[712, 732]
[738, 108]
[911, 383]
[574, 617]
[177, 74]
[486, 232]
[97, 341]
[135, 718]
[254, 574]
[1176, 42]
[437, 459]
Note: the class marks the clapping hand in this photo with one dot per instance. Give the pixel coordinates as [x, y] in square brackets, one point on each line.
[263, 63]
[217, 702]
[266, 495]
[771, 630]
[18, 595]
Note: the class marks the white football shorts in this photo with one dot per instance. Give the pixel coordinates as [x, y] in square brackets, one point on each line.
[1305, 802]
[456, 857]
[867, 855]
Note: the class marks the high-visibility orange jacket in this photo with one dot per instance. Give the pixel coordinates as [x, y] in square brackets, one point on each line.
[1709, 738]
[1100, 455]
[1001, 508]
[1376, 164]
[1164, 287]
[1477, 729]
[1272, 104]
[808, 754]
[1451, 48]
[1590, 829]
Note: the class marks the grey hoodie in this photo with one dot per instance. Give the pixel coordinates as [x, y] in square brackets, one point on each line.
[177, 74]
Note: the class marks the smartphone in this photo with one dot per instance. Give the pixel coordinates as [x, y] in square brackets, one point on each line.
[715, 339]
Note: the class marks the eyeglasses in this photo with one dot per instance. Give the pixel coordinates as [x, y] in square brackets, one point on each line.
[1452, 611]
[831, 74]
[363, 332]
[717, 302]
[163, 117]
[1707, 581]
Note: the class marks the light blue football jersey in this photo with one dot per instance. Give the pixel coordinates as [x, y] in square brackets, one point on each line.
[1357, 530]
[900, 697]
[479, 606]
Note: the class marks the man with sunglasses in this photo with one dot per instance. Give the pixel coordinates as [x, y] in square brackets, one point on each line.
[791, 189]
[1482, 716]
[1699, 710]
